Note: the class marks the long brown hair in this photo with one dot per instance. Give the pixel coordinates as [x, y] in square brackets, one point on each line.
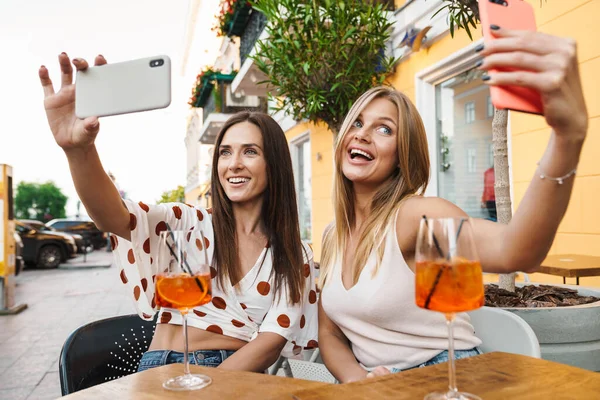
[279, 211]
[410, 178]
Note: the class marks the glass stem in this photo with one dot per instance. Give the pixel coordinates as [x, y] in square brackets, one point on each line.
[453, 390]
[186, 359]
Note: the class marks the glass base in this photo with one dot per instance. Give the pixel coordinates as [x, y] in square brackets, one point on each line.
[187, 382]
[451, 396]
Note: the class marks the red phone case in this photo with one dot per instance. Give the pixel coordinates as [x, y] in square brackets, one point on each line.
[518, 15]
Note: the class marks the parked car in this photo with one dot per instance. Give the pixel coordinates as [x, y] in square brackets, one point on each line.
[87, 229]
[45, 249]
[79, 240]
[19, 263]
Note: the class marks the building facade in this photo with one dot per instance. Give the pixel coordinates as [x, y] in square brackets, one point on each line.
[455, 105]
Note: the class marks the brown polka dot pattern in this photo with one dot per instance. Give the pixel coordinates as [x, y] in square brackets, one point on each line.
[153, 302]
[188, 236]
[219, 303]
[312, 297]
[151, 260]
[144, 206]
[114, 242]
[144, 282]
[302, 322]
[312, 344]
[200, 215]
[215, 329]
[209, 210]
[199, 313]
[177, 211]
[283, 321]
[146, 246]
[132, 222]
[206, 243]
[161, 226]
[306, 270]
[146, 315]
[123, 276]
[263, 288]
[237, 324]
[153, 278]
[199, 244]
[213, 273]
[165, 317]
[136, 292]
[243, 306]
[130, 256]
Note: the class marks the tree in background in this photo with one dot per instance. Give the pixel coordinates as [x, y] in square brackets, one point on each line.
[172, 196]
[320, 56]
[40, 201]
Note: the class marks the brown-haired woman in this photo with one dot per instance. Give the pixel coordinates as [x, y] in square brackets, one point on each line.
[369, 323]
[264, 299]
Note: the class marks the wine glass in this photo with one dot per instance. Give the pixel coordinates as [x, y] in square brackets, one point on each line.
[183, 282]
[448, 280]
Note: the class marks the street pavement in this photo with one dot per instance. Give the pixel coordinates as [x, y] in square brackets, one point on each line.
[59, 301]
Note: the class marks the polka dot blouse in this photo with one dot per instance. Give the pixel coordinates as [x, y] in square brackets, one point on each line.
[242, 313]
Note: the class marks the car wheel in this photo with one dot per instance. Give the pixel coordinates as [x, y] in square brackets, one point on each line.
[49, 256]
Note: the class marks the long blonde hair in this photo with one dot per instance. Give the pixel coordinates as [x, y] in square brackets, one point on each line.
[410, 178]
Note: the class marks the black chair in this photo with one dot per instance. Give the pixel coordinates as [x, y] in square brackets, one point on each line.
[102, 351]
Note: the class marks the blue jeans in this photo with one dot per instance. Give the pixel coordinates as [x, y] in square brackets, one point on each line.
[443, 357]
[205, 358]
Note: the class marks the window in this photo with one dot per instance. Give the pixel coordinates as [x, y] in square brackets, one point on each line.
[59, 225]
[463, 146]
[490, 107]
[301, 158]
[469, 112]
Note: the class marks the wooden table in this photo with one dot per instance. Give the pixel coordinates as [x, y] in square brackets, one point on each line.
[491, 376]
[226, 385]
[571, 266]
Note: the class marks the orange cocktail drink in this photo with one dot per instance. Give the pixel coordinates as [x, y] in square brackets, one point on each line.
[182, 291]
[449, 286]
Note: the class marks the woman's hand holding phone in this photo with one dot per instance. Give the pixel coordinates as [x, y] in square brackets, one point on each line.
[547, 64]
[70, 132]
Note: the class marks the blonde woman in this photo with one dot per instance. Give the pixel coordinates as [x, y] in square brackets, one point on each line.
[368, 321]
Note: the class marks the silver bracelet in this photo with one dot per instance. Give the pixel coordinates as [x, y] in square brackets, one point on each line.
[560, 179]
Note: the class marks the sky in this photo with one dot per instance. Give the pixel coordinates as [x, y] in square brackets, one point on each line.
[145, 151]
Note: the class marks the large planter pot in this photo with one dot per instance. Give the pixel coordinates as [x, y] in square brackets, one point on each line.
[569, 335]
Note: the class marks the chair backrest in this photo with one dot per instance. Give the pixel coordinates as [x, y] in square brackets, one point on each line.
[501, 330]
[311, 371]
[103, 350]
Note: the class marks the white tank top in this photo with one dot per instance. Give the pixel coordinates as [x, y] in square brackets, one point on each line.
[379, 316]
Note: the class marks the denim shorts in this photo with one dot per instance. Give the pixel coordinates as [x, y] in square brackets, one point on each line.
[443, 357]
[205, 358]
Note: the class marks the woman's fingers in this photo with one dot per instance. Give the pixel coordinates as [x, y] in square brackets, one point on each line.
[80, 63]
[91, 124]
[99, 60]
[66, 71]
[379, 371]
[543, 82]
[518, 60]
[46, 81]
[525, 41]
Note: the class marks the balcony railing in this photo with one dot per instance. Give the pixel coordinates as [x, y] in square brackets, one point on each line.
[256, 24]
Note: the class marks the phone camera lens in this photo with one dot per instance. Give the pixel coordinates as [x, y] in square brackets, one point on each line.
[157, 63]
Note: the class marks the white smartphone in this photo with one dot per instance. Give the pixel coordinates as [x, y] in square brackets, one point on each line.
[125, 87]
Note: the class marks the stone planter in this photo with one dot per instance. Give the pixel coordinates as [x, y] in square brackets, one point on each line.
[568, 335]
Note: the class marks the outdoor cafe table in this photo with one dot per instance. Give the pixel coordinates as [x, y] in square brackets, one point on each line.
[571, 266]
[491, 376]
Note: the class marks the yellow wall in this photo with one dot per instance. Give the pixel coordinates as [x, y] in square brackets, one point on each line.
[579, 232]
[321, 143]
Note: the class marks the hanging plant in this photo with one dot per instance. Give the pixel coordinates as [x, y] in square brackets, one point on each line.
[232, 17]
[206, 82]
